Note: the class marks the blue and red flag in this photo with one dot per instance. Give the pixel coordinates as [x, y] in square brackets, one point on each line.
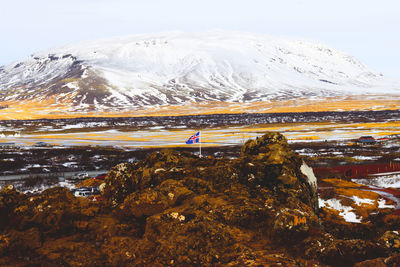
[194, 139]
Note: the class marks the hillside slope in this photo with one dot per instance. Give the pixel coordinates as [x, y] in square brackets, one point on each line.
[179, 68]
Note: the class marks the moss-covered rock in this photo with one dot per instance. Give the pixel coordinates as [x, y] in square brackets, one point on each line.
[175, 209]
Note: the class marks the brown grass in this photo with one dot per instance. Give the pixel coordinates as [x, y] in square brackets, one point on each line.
[342, 183]
[50, 109]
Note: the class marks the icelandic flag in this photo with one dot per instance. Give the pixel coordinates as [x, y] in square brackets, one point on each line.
[194, 139]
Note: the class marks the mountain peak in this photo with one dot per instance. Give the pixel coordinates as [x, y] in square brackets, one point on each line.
[176, 67]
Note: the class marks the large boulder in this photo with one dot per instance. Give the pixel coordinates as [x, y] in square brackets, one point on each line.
[176, 209]
[268, 185]
[126, 178]
[271, 162]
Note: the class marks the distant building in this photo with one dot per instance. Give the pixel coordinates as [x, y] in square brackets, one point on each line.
[382, 140]
[366, 140]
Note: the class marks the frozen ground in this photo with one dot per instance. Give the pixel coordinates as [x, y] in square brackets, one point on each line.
[383, 180]
[217, 130]
[348, 212]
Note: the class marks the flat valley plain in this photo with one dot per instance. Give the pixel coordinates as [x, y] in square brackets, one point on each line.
[51, 108]
[90, 144]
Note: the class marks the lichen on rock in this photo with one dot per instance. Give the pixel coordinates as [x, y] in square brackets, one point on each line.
[176, 209]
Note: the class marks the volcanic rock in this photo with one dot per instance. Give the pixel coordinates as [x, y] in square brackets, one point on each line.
[341, 252]
[381, 262]
[9, 198]
[176, 209]
[391, 239]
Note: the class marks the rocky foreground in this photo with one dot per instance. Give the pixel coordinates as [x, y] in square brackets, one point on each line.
[175, 209]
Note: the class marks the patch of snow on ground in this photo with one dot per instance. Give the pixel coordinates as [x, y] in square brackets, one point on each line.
[383, 182]
[42, 187]
[66, 185]
[74, 126]
[33, 166]
[344, 211]
[308, 154]
[157, 127]
[382, 204]
[360, 201]
[73, 85]
[366, 157]
[69, 164]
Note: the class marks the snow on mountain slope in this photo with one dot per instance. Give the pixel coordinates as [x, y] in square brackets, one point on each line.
[175, 67]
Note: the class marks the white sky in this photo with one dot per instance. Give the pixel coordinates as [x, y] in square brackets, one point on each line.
[366, 29]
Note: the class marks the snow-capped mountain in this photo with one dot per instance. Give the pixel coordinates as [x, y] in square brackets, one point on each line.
[175, 67]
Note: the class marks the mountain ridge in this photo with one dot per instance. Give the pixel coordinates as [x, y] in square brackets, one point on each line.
[178, 68]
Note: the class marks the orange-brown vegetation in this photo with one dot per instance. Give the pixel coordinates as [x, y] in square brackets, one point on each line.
[51, 109]
[341, 183]
[176, 209]
[90, 182]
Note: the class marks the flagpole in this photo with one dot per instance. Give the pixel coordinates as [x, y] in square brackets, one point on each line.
[200, 142]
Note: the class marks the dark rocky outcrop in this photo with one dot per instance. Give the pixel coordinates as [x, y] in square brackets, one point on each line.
[175, 209]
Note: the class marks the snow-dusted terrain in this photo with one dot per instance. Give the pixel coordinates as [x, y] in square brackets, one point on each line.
[347, 212]
[176, 67]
